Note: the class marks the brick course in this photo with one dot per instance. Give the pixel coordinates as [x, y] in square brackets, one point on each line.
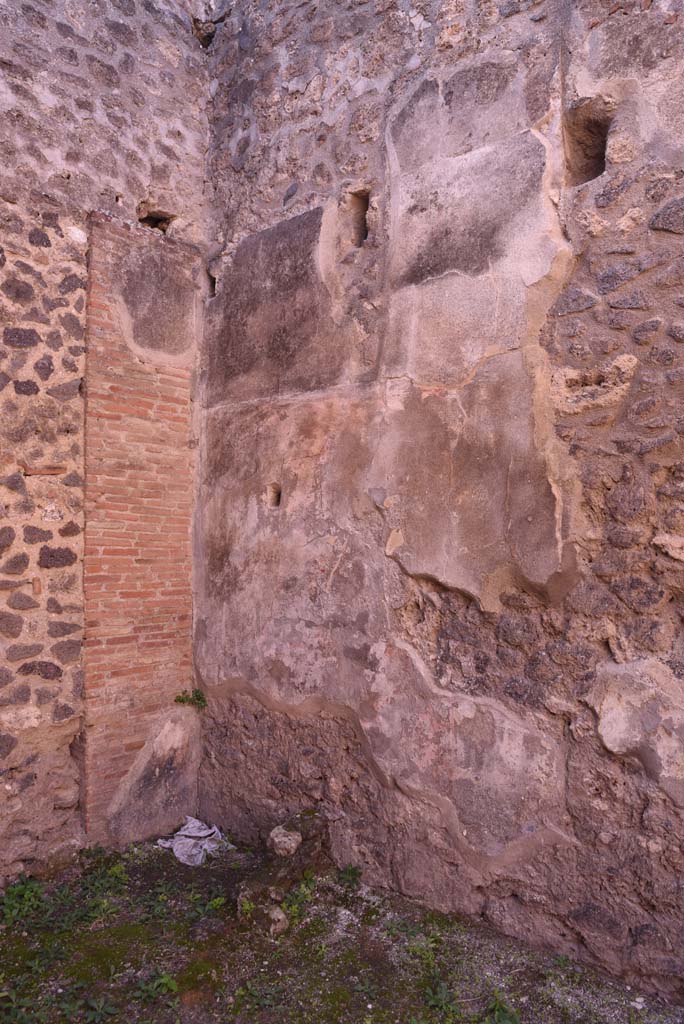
[139, 480]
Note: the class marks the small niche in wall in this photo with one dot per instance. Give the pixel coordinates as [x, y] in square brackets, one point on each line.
[358, 216]
[585, 136]
[274, 494]
[159, 220]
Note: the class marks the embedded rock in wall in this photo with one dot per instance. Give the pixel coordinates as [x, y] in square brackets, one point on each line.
[439, 570]
[641, 716]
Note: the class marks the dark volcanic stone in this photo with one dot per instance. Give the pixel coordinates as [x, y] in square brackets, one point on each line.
[7, 744]
[643, 333]
[17, 290]
[70, 283]
[635, 300]
[67, 651]
[7, 535]
[44, 366]
[55, 558]
[573, 300]
[10, 625]
[22, 602]
[72, 325]
[26, 387]
[65, 392]
[34, 535]
[19, 695]
[670, 217]
[39, 238]
[56, 629]
[44, 669]
[62, 712]
[20, 652]
[70, 529]
[16, 565]
[20, 337]
[15, 482]
[72, 480]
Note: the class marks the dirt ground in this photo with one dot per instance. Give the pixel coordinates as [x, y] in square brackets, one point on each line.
[138, 937]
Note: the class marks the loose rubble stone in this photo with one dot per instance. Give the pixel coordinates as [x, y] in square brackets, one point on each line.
[284, 843]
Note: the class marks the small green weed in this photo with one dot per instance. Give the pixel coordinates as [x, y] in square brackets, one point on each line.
[499, 1012]
[22, 900]
[202, 907]
[296, 900]
[350, 876]
[196, 699]
[160, 984]
[366, 988]
[99, 1010]
[71, 1003]
[424, 949]
[15, 1008]
[247, 908]
[265, 997]
[438, 996]
[397, 927]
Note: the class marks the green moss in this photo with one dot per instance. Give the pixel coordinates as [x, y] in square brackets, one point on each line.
[338, 997]
[96, 955]
[16, 955]
[371, 914]
[437, 923]
[311, 929]
[198, 974]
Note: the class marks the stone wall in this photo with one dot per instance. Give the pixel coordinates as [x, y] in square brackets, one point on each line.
[41, 621]
[440, 507]
[438, 533]
[103, 109]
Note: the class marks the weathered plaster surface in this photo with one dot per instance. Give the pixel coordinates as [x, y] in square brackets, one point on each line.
[438, 532]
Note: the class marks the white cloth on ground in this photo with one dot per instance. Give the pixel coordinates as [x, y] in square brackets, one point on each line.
[194, 841]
